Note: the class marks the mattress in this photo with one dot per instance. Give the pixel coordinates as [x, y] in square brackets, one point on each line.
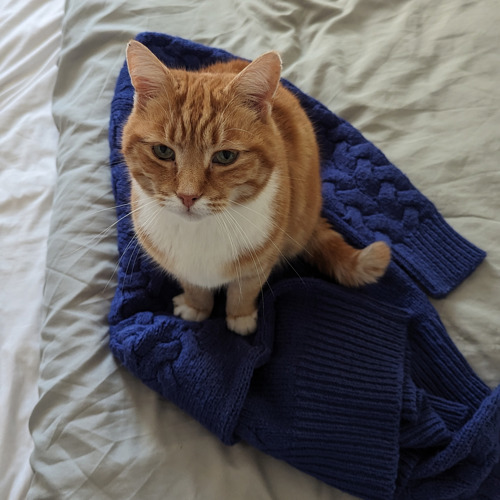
[418, 79]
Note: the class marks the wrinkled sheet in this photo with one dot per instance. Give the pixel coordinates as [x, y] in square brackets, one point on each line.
[30, 35]
[418, 79]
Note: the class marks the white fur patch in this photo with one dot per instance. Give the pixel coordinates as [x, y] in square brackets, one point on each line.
[187, 312]
[243, 325]
[202, 247]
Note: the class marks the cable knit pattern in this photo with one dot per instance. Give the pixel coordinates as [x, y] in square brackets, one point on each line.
[362, 389]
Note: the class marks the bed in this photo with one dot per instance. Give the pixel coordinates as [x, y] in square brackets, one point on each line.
[31, 36]
[417, 79]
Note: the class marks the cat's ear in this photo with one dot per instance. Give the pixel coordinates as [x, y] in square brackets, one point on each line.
[148, 74]
[258, 83]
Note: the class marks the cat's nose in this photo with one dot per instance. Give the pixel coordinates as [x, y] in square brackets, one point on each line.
[188, 199]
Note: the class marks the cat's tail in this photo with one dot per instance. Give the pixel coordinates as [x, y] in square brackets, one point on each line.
[328, 251]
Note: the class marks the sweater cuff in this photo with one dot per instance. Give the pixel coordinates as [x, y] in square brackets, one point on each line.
[437, 256]
[329, 400]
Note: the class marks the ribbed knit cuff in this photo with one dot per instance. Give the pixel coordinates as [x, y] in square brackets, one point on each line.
[466, 465]
[437, 256]
[329, 400]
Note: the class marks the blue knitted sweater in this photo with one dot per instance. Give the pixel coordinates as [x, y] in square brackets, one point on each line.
[363, 388]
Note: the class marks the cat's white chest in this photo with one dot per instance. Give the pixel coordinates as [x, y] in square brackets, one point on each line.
[201, 251]
[196, 251]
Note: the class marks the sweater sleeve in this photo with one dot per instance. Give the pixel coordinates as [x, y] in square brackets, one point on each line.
[367, 198]
[436, 256]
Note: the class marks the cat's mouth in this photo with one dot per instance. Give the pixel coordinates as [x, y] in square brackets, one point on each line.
[191, 213]
[195, 212]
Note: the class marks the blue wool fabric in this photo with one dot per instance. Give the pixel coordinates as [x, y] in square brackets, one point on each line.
[362, 388]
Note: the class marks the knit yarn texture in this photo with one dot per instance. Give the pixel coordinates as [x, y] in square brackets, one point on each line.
[362, 388]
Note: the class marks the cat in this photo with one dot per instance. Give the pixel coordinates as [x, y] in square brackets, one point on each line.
[225, 184]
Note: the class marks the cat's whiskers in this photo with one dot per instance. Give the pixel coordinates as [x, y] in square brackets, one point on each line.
[142, 231]
[216, 207]
[95, 239]
[263, 277]
[249, 245]
[134, 239]
[222, 222]
[241, 130]
[114, 207]
[136, 252]
[98, 237]
[138, 247]
[275, 224]
[274, 244]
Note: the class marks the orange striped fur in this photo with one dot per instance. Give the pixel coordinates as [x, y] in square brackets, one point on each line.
[224, 167]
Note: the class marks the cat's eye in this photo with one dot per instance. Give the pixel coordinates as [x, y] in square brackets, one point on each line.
[225, 157]
[163, 152]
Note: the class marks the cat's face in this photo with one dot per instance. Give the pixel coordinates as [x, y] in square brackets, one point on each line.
[199, 142]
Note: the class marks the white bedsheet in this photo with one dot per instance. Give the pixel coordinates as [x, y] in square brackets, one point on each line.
[409, 75]
[30, 33]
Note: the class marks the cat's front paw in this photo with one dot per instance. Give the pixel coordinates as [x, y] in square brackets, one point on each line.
[243, 325]
[185, 311]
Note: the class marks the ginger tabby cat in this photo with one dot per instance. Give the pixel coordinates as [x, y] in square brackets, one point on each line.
[225, 177]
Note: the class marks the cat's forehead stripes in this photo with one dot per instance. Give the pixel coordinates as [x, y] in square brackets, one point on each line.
[200, 110]
[197, 112]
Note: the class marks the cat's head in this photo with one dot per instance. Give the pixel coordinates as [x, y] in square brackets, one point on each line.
[198, 142]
